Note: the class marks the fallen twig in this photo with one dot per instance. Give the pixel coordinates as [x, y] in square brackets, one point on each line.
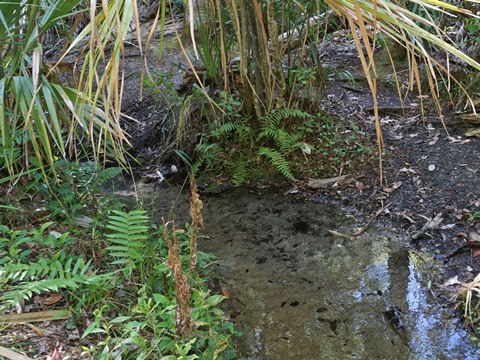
[431, 224]
[322, 183]
[361, 230]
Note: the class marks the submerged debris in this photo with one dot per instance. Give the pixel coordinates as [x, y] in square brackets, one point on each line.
[393, 316]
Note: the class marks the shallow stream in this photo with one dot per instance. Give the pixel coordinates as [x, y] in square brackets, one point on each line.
[297, 292]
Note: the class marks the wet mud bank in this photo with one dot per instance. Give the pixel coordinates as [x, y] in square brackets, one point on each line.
[297, 292]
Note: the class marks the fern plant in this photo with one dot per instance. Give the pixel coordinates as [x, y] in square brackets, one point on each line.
[237, 144]
[278, 160]
[208, 154]
[128, 240]
[22, 275]
[44, 276]
[240, 171]
[272, 127]
[285, 141]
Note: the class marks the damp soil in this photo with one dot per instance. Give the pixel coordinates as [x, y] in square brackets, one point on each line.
[297, 292]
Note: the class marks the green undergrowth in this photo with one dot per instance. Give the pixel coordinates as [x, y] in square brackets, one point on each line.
[287, 143]
[290, 143]
[113, 269]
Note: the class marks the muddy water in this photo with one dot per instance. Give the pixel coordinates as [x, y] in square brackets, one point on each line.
[299, 293]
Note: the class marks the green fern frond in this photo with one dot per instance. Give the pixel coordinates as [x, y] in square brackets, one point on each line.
[195, 168]
[240, 173]
[277, 160]
[108, 174]
[45, 275]
[25, 290]
[129, 236]
[285, 140]
[15, 272]
[209, 153]
[227, 128]
[277, 116]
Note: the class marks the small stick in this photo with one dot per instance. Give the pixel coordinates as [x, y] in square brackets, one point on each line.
[431, 224]
[361, 230]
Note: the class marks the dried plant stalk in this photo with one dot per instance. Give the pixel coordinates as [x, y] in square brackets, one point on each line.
[196, 207]
[278, 53]
[183, 310]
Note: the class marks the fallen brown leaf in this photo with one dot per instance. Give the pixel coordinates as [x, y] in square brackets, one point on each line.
[394, 187]
[56, 354]
[472, 132]
[36, 329]
[50, 299]
[471, 118]
[474, 237]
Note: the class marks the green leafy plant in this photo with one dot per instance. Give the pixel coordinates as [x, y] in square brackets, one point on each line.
[128, 240]
[39, 115]
[149, 327]
[24, 273]
[278, 160]
[474, 216]
[348, 76]
[75, 188]
[39, 261]
[475, 338]
[234, 146]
